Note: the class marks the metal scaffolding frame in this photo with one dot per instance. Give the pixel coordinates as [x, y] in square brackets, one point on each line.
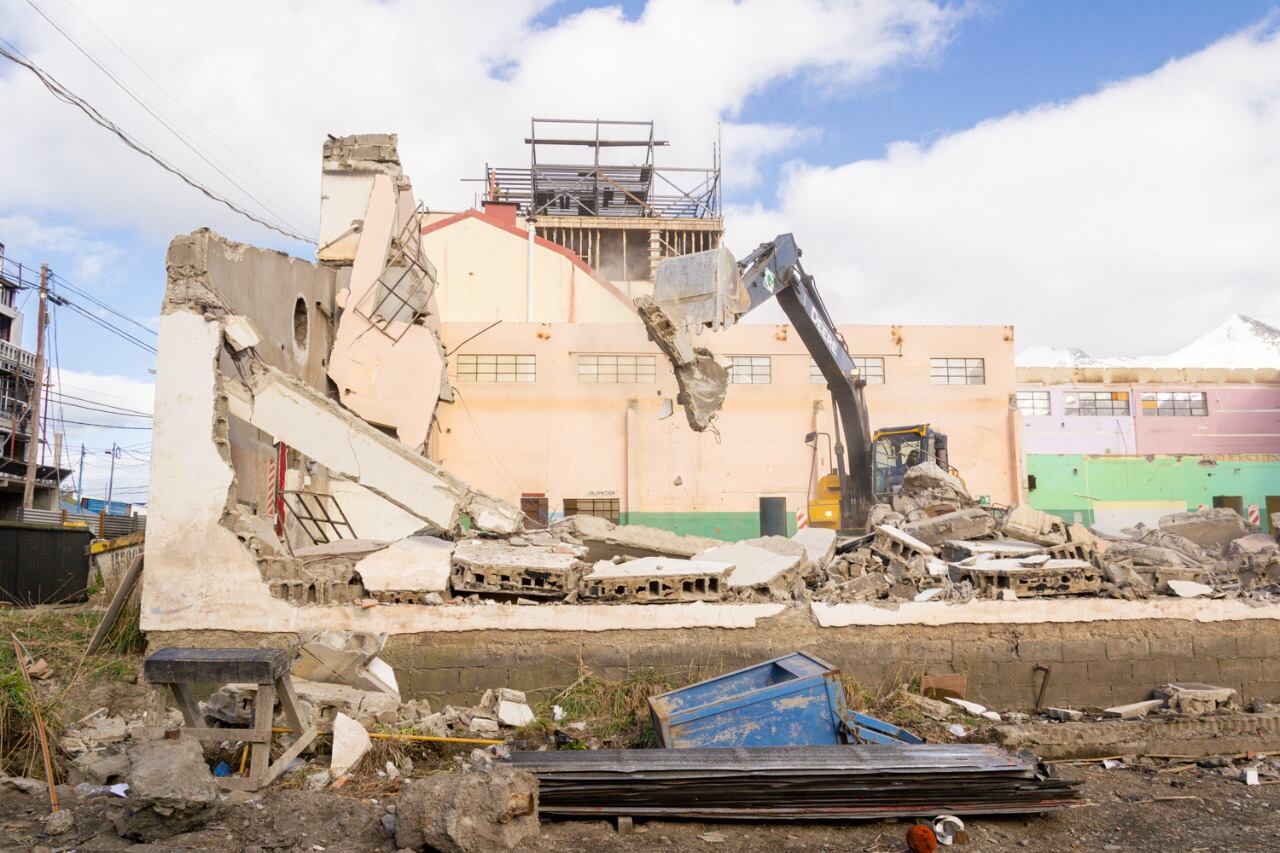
[598, 188]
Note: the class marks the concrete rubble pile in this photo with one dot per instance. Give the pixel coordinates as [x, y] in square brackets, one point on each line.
[935, 543]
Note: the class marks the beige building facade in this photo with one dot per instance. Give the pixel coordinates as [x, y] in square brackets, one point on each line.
[566, 413]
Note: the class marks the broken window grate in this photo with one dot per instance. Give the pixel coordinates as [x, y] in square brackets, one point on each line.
[319, 515]
[1033, 403]
[496, 368]
[750, 370]
[609, 508]
[1184, 404]
[1096, 403]
[405, 287]
[957, 371]
[870, 368]
[617, 369]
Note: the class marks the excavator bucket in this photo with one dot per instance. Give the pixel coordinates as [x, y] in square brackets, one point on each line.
[692, 293]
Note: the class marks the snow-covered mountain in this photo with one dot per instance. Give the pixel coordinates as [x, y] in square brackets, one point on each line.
[1238, 342]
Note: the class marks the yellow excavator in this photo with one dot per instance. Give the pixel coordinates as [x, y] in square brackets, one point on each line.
[894, 450]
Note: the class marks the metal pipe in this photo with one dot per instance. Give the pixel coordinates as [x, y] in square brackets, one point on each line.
[528, 295]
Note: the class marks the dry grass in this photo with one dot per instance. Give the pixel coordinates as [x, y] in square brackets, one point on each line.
[614, 711]
[59, 635]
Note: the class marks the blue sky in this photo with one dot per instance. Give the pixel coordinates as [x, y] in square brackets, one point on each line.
[102, 217]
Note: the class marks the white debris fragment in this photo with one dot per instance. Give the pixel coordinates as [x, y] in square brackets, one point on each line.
[957, 730]
[971, 707]
[928, 594]
[350, 743]
[1189, 589]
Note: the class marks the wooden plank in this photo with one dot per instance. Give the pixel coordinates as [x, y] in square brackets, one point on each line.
[187, 704]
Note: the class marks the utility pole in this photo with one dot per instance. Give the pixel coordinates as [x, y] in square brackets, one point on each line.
[80, 480]
[115, 453]
[37, 390]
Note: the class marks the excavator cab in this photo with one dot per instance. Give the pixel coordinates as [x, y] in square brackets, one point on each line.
[895, 450]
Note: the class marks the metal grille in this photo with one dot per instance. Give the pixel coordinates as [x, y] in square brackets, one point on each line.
[404, 290]
[319, 515]
[750, 370]
[609, 508]
[1184, 404]
[1095, 403]
[870, 368]
[610, 369]
[496, 368]
[957, 371]
[1033, 403]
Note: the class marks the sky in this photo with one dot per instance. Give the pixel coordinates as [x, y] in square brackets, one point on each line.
[1101, 175]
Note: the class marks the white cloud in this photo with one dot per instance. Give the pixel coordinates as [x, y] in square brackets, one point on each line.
[1125, 222]
[458, 81]
[115, 406]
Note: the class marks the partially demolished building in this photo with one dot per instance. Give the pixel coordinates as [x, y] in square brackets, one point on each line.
[417, 434]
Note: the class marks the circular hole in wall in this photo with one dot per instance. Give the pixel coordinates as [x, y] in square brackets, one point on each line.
[300, 321]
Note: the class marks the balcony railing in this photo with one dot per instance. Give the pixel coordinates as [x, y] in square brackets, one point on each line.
[14, 359]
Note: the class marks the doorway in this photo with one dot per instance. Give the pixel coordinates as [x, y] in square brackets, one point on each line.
[1229, 502]
[773, 516]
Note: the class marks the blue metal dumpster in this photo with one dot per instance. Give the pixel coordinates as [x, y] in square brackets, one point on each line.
[796, 700]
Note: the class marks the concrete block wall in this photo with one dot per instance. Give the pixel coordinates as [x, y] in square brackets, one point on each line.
[1094, 664]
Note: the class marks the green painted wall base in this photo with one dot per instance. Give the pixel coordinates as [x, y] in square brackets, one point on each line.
[730, 526]
[1068, 484]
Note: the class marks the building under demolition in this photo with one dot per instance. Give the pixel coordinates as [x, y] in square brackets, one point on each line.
[385, 439]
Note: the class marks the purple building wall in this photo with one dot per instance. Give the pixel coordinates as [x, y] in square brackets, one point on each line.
[1241, 419]
[1058, 432]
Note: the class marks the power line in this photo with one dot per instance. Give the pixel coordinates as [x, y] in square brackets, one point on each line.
[281, 195]
[65, 95]
[105, 411]
[105, 426]
[138, 100]
[110, 406]
[115, 330]
[96, 301]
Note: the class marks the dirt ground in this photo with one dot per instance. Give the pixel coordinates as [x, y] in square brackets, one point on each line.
[1131, 810]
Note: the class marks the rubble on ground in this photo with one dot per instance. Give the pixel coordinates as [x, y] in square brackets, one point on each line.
[171, 789]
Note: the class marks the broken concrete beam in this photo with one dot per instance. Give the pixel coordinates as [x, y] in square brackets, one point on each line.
[956, 550]
[535, 571]
[414, 564]
[1033, 525]
[347, 657]
[1133, 710]
[701, 379]
[1064, 715]
[1188, 589]
[934, 709]
[819, 544]
[896, 546]
[754, 568]
[1207, 528]
[1195, 698]
[971, 523]
[606, 540]
[495, 809]
[658, 579]
[1050, 577]
[292, 412]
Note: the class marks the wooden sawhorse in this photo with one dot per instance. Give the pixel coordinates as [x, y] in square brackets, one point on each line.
[177, 669]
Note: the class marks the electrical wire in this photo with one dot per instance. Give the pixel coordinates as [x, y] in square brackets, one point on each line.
[150, 111]
[281, 195]
[105, 426]
[65, 95]
[104, 306]
[119, 409]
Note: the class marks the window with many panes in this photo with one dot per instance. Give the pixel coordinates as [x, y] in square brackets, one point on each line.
[1091, 403]
[750, 370]
[495, 368]
[957, 371]
[599, 507]
[1188, 404]
[871, 368]
[616, 369]
[1033, 403]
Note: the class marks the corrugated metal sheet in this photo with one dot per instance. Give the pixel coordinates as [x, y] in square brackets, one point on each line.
[103, 527]
[43, 564]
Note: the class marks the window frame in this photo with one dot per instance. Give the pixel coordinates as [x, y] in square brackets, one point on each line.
[612, 510]
[1094, 410]
[1039, 394]
[945, 370]
[756, 363]
[870, 368]
[594, 368]
[486, 367]
[1181, 404]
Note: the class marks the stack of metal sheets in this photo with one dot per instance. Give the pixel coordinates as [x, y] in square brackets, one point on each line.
[833, 782]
